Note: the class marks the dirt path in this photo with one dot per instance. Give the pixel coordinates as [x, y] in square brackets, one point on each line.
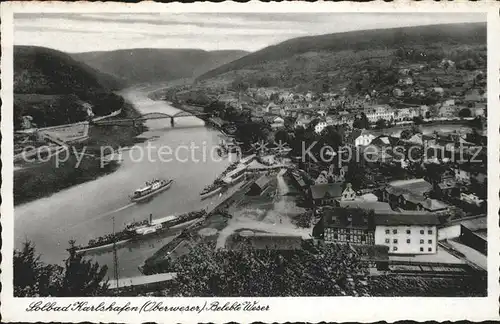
[305, 233]
[275, 220]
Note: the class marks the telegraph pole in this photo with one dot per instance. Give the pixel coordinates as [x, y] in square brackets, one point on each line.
[115, 256]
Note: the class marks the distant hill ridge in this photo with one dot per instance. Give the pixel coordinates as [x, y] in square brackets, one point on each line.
[155, 64]
[377, 39]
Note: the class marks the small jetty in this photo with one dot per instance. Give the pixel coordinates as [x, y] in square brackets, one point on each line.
[234, 173]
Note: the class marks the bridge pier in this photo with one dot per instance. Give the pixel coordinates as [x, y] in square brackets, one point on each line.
[172, 123]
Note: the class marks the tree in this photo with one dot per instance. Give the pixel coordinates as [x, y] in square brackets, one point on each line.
[464, 113]
[381, 123]
[418, 120]
[476, 123]
[332, 136]
[406, 134]
[362, 122]
[239, 85]
[282, 136]
[313, 270]
[78, 277]
[251, 132]
[303, 220]
[82, 277]
[355, 174]
[31, 276]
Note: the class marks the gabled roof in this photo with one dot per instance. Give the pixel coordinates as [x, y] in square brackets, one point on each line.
[376, 206]
[332, 190]
[406, 218]
[414, 186]
[433, 204]
[262, 182]
[346, 217]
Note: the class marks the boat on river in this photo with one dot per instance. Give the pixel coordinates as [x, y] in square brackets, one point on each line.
[138, 231]
[150, 189]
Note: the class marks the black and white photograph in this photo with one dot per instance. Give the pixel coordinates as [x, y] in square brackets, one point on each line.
[249, 154]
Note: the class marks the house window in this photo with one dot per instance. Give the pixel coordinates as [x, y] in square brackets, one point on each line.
[408, 241]
[363, 238]
[335, 236]
[387, 240]
[429, 232]
[421, 241]
[408, 231]
[387, 231]
[395, 231]
[421, 249]
[429, 241]
[394, 248]
[395, 241]
[348, 231]
[421, 231]
[348, 237]
[429, 249]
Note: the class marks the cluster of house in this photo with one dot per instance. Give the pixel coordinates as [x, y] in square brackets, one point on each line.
[440, 148]
[402, 219]
[405, 217]
[307, 107]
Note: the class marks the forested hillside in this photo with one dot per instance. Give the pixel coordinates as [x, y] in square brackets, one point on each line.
[51, 87]
[360, 60]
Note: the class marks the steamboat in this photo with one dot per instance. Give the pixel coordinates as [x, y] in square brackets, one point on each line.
[150, 189]
[137, 231]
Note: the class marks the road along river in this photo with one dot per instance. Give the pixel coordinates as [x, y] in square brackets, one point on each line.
[85, 211]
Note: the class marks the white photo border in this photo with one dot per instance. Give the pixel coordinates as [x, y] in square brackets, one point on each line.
[282, 309]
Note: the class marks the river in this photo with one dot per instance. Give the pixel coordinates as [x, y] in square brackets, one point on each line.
[85, 211]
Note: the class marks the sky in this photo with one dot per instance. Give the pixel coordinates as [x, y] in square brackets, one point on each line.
[72, 32]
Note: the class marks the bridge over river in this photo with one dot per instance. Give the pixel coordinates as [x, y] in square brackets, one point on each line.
[149, 116]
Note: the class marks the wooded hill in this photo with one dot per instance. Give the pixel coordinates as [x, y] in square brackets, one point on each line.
[334, 60]
[51, 86]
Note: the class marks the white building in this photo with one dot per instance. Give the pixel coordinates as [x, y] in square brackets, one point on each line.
[405, 81]
[406, 114]
[381, 112]
[407, 232]
[302, 121]
[88, 109]
[320, 126]
[348, 194]
[471, 199]
[363, 139]
[322, 178]
[278, 122]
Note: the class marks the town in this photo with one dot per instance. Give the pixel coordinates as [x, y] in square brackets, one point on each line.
[415, 212]
[355, 170]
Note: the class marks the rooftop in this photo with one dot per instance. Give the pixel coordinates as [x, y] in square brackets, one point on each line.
[413, 186]
[262, 181]
[406, 218]
[376, 206]
[326, 190]
[433, 204]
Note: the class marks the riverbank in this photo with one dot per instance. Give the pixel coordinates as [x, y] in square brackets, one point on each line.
[46, 178]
